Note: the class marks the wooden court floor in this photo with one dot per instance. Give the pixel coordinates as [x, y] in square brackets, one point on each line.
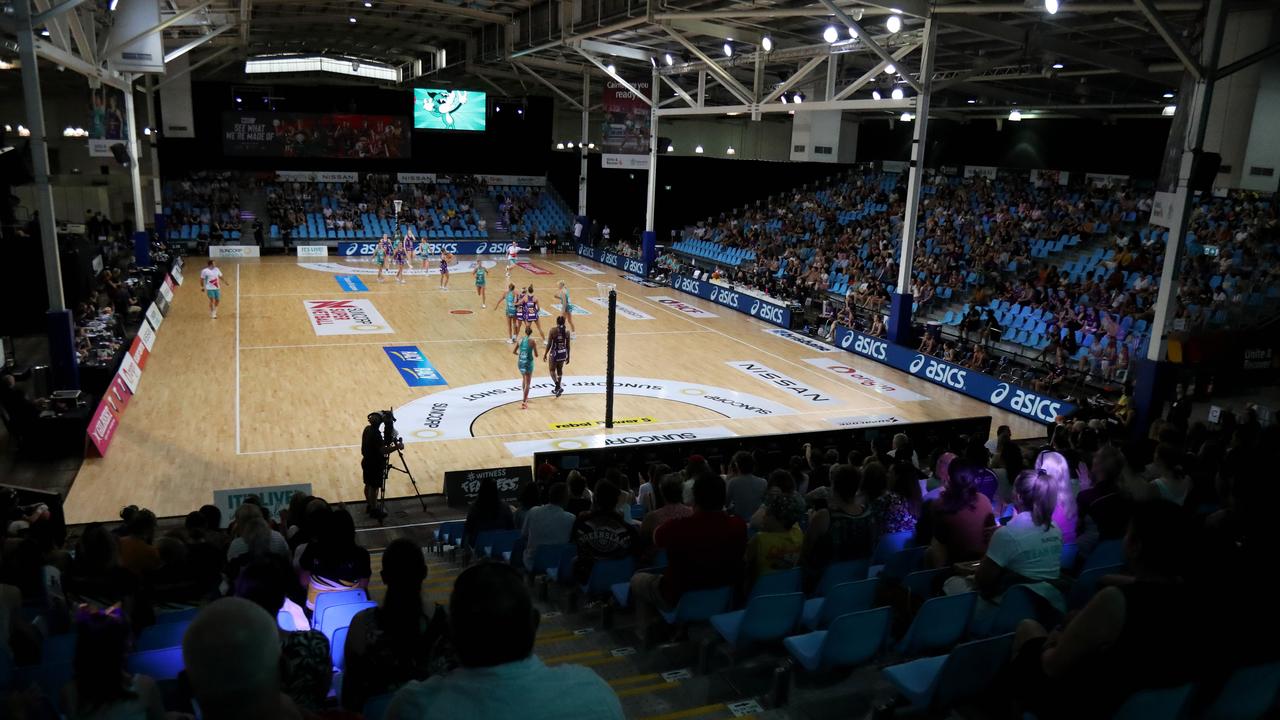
[257, 397]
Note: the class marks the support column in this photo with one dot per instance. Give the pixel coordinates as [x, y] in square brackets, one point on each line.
[582, 146]
[649, 240]
[135, 162]
[1153, 376]
[900, 302]
[158, 201]
[59, 326]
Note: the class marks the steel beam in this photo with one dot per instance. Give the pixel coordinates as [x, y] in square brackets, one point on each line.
[871, 74]
[162, 25]
[800, 74]
[724, 32]
[604, 48]
[614, 75]
[1246, 61]
[867, 40]
[679, 91]
[58, 56]
[563, 95]
[732, 85]
[817, 106]
[184, 49]
[1164, 31]
[194, 66]
[53, 12]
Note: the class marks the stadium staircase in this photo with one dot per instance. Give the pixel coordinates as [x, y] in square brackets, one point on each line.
[488, 211]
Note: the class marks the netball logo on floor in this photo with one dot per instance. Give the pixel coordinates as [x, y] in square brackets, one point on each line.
[784, 383]
[683, 307]
[866, 380]
[345, 317]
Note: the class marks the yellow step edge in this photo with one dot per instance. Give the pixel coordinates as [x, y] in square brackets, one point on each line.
[634, 679]
[690, 713]
[644, 689]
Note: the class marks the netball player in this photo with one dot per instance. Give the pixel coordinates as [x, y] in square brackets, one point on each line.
[400, 256]
[566, 309]
[211, 279]
[532, 310]
[525, 351]
[380, 254]
[513, 311]
[558, 350]
[479, 272]
[445, 261]
[512, 251]
[423, 253]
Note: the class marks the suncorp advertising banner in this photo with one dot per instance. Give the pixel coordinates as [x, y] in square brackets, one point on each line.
[635, 266]
[767, 311]
[976, 385]
[457, 247]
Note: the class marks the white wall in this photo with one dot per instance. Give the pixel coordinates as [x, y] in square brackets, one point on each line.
[1264, 147]
[1235, 98]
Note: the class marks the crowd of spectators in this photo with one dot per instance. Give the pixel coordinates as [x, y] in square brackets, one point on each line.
[348, 206]
[205, 198]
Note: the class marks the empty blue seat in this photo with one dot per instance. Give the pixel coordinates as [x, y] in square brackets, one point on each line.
[327, 600]
[850, 640]
[902, 563]
[838, 573]
[339, 616]
[766, 618]
[839, 600]
[1159, 703]
[1249, 693]
[778, 583]
[699, 605]
[163, 664]
[922, 583]
[939, 624]
[938, 682]
[492, 543]
[607, 573]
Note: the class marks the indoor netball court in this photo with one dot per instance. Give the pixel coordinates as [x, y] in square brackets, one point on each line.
[275, 390]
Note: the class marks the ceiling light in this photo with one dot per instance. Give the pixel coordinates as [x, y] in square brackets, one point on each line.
[798, 98]
[784, 98]
[45, 32]
[730, 151]
[519, 111]
[1051, 6]
[670, 60]
[728, 49]
[698, 149]
[896, 94]
[569, 145]
[893, 24]
[559, 146]
[890, 69]
[146, 131]
[1015, 115]
[1169, 110]
[875, 94]
[971, 101]
[831, 34]
[112, 6]
[8, 128]
[238, 99]
[766, 43]
[23, 132]
[1058, 66]
[853, 34]
[611, 69]
[368, 4]
[907, 117]
[654, 62]
[1168, 95]
[6, 65]
[351, 20]
[591, 146]
[671, 148]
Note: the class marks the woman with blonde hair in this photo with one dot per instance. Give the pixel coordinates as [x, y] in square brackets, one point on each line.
[1055, 467]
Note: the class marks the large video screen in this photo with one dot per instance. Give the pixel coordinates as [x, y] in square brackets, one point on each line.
[276, 134]
[439, 109]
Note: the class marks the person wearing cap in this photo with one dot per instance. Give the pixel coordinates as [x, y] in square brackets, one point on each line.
[778, 544]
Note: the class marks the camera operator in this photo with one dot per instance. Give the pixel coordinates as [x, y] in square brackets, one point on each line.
[373, 460]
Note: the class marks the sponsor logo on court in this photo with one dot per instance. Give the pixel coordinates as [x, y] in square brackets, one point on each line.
[531, 268]
[799, 339]
[233, 251]
[864, 379]
[682, 306]
[450, 414]
[414, 367]
[579, 267]
[526, 448]
[787, 384]
[345, 317]
[351, 283]
[865, 420]
[577, 309]
[582, 424]
[624, 310]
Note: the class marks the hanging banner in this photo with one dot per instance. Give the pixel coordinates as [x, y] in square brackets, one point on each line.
[626, 126]
[415, 178]
[177, 115]
[986, 171]
[312, 135]
[135, 19]
[106, 120]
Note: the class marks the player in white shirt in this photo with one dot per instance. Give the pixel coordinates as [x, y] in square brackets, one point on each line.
[211, 281]
[512, 251]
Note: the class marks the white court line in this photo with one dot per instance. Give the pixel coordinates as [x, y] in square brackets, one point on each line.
[807, 368]
[450, 340]
[237, 358]
[471, 287]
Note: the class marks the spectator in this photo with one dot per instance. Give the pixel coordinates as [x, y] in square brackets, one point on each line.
[704, 550]
[334, 561]
[649, 494]
[1172, 483]
[1057, 469]
[781, 482]
[777, 546]
[960, 519]
[527, 499]
[101, 688]
[745, 489]
[547, 524]
[579, 495]
[840, 532]
[275, 542]
[398, 641]
[672, 509]
[493, 622]
[1103, 508]
[890, 511]
[137, 554]
[488, 512]
[1122, 640]
[601, 534]
[232, 657]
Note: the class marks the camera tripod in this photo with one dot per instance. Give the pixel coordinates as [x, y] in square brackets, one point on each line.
[387, 467]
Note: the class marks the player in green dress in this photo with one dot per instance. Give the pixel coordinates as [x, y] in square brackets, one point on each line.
[480, 273]
[524, 351]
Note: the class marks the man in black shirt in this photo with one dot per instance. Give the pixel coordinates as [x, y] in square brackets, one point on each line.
[372, 462]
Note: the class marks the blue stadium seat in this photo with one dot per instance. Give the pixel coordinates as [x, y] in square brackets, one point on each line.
[939, 682]
[327, 600]
[339, 616]
[849, 640]
[1249, 693]
[779, 582]
[1160, 703]
[159, 637]
[838, 573]
[839, 600]
[938, 625]
[699, 605]
[163, 664]
[766, 618]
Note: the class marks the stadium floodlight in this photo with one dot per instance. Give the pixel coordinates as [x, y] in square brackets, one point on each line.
[559, 146]
[897, 93]
[890, 69]
[368, 4]
[907, 117]
[1168, 96]
[1051, 6]
[893, 24]
[569, 145]
[875, 94]
[1169, 110]
[798, 98]
[611, 69]
[698, 149]
[972, 101]
[831, 34]
[671, 148]
[1015, 115]
[728, 49]
[591, 146]
[669, 60]
[730, 151]
[783, 98]
[1058, 66]
[351, 19]
[766, 43]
